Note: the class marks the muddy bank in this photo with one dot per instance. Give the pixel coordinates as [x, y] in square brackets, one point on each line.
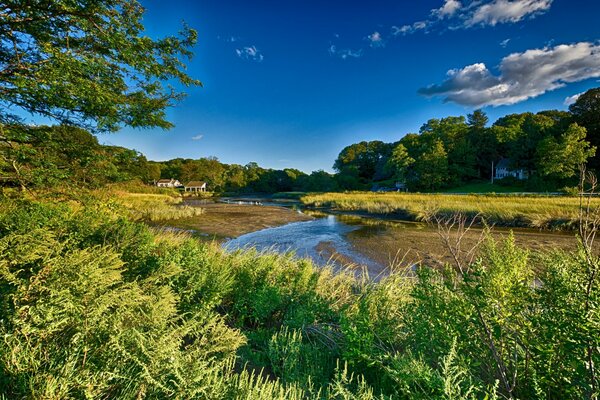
[221, 221]
[409, 243]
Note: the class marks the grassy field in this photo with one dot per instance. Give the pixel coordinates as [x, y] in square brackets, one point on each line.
[484, 187]
[523, 211]
[149, 203]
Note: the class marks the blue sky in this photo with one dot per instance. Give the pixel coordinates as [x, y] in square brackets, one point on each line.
[290, 83]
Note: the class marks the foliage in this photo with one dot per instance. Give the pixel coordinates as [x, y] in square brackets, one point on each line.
[65, 156]
[562, 156]
[586, 112]
[89, 63]
[95, 305]
[451, 152]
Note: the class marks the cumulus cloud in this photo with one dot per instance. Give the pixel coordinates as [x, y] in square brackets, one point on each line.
[250, 53]
[344, 53]
[522, 76]
[503, 11]
[197, 137]
[375, 40]
[449, 8]
[572, 99]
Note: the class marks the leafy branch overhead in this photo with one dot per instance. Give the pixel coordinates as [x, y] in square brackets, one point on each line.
[88, 63]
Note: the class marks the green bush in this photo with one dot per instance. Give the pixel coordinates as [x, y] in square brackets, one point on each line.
[94, 305]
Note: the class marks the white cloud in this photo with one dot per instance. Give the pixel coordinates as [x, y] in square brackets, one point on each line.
[503, 11]
[504, 43]
[250, 53]
[408, 29]
[197, 137]
[344, 53]
[375, 40]
[454, 15]
[449, 8]
[522, 76]
[572, 99]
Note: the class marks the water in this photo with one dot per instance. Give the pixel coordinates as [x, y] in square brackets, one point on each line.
[312, 239]
[374, 242]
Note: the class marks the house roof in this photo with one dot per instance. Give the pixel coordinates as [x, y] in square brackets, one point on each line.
[165, 180]
[503, 163]
[195, 184]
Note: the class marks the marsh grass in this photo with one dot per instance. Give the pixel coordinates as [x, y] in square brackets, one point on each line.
[544, 212]
[155, 207]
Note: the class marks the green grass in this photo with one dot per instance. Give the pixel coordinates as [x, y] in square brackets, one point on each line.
[555, 212]
[484, 187]
[153, 206]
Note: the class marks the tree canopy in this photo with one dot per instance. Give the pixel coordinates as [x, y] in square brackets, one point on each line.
[88, 63]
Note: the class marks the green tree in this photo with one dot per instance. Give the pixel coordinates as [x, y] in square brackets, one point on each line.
[367, 158]
[399, 162]
[88, 63]
[431, 169]
[484, 143]
[560, 157]
[586, 112]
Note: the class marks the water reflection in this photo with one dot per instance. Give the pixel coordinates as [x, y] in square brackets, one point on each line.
[319, 240]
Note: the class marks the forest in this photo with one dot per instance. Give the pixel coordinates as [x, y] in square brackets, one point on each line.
[454, 151]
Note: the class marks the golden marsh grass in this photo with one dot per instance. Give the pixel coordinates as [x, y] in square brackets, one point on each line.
[549, 212]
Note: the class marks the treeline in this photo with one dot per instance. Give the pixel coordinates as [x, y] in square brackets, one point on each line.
[448, 152]
[62, 155]
[249, 178]
[39, 157]
[549, 146]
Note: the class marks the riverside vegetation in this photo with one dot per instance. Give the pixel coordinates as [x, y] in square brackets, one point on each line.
[548, 212]
[96, 305]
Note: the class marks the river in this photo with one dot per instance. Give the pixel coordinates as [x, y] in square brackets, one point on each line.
[374, 243]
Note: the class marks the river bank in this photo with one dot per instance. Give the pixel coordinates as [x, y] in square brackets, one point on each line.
[223, 221]
[531, 211]
[371, 241]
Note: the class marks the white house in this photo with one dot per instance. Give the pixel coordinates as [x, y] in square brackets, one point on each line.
[504, 170]
[170, 183]
[195, 186]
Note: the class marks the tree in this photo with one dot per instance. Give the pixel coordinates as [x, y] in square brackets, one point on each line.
[483, 141]
[432, 167]
[586, 112]
[365, 157]
[561, 157]
[88, 64]
[399, 162]
[478, 119]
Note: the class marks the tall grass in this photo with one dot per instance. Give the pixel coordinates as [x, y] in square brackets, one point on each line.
[524, 211]
[154, 207]
[95, 305]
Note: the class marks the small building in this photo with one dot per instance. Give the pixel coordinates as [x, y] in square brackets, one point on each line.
[169, 183]
[401, 187]
[195, 186]
[503, 170]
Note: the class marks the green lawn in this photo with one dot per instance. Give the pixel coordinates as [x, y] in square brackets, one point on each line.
[484, 187]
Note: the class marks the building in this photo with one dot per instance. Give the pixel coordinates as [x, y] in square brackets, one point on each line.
[503, 170]
[170, 183]
[195, 186]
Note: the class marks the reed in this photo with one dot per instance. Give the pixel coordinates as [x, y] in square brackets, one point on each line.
[544, 212]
